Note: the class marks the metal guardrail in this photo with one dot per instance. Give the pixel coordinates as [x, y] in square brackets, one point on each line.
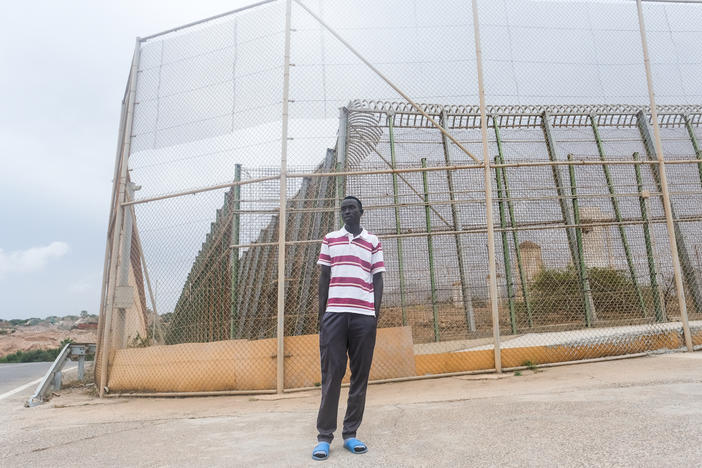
[53, 377]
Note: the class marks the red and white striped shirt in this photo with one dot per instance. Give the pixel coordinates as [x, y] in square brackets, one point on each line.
[353, 262]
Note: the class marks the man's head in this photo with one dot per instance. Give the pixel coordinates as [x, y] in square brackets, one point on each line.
[351, 210]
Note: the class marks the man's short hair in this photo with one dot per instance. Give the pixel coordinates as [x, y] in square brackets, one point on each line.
[351, 197]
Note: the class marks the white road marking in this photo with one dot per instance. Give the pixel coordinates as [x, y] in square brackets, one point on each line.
[33, 382]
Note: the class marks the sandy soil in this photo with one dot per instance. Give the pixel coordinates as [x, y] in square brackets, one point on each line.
[41, 337]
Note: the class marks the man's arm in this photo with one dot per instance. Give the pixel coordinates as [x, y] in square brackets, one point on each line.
[324, 278]
[377, 292]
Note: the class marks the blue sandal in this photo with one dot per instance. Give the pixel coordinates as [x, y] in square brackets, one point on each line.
[354, 445]
[321, 451]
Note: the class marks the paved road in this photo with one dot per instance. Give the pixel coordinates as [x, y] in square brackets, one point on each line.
[16, 375]
[635, 412]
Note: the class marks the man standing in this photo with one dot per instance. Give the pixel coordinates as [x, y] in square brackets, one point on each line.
[350, 292]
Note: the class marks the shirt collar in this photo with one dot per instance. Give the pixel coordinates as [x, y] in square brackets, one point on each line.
[362, 235]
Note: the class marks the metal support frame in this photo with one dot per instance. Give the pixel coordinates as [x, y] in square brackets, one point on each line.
[513, 222]
[467, 296]
[487, 178]
[653, 277]
[430, 249]
[120, 185]
[505, 248]
[234, 254]
[618, 215]
[386, 80]
[340, 180]
[682, 265]
[282, 220]
[589, 319]
[398, 223]
[575, 253]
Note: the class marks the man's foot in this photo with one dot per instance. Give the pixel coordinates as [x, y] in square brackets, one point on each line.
[321, 451]
[354, 445]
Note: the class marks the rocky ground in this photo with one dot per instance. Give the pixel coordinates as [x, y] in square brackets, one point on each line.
[42, 336]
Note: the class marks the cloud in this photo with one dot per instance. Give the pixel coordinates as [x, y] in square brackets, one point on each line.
[32, 259]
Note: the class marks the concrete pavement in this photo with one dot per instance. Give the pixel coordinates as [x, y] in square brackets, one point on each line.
[635, 412]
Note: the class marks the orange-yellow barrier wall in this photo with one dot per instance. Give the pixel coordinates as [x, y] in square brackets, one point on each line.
[245, 365]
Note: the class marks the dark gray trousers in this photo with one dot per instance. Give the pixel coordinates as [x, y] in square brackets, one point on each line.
[343, 333]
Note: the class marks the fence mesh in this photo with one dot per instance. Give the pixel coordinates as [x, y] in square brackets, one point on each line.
[583, 261]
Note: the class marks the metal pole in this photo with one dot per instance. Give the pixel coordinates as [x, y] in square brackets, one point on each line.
[234, 254]
[111, 222]
[398, 224]
[282, 220]
[430, 247]
[465, 288]
[617, 214]
[340, 165]
[505, 249]
[488, 195]
[682, 254]
[660, 312]
[570, 231]
[117, 227]
[513, 221]
[579, 242]
[664, 186]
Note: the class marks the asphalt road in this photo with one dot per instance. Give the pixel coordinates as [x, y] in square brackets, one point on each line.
[16, 375]
[636, 412]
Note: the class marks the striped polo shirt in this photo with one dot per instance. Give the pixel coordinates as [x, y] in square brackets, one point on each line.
[353, 262]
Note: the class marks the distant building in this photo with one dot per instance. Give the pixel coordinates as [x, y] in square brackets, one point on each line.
[532, 261]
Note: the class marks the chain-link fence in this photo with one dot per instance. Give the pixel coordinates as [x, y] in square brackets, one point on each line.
[533, 208]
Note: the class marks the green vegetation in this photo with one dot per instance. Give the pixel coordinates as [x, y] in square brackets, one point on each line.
[556, 296]
[36, 355]
[529, 365]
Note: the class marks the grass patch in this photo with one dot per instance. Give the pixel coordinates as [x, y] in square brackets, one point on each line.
[35, 355]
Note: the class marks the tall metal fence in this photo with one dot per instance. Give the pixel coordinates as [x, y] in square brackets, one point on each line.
[536, 201]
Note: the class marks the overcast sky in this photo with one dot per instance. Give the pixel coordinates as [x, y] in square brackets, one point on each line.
[64, 68]
[63, 71]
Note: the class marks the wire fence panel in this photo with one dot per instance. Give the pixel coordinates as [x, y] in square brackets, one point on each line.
[256, 124]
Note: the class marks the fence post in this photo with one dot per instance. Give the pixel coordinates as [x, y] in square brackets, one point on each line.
[340, 181]
[513, 223]
[617, 214]
[398, 227]
[579, 242]
[234, 254]
[282, 220]
[660, 312]
[588, 303]
[505, 248]
[430, 247]
[465, 288]
[488, 194]
[678, 250]
[117, 227]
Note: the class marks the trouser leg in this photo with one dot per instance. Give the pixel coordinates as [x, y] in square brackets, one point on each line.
[332, 350]
[361, 344]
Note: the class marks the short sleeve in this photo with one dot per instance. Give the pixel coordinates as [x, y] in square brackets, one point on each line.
[377, 262]
[324, 257]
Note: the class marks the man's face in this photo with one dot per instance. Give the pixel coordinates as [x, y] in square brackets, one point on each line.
[350, 212]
